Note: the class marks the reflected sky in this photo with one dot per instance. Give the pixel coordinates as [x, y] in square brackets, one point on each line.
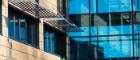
[104, 6]
[105, 30]
[113, 46]
[117, 49]
[116, 40]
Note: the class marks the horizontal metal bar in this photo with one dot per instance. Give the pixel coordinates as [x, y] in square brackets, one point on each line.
[50, 19]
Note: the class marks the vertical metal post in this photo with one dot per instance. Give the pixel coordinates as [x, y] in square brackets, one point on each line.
[133, 22]
[97, 32]
[14, 21]
[89, 14]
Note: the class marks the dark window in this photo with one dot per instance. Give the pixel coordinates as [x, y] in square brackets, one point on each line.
[80, 20]
[54, 41]
[115, 19]
[49, 41]
[32, 33]
[23, 28]
[126, 18]
[100, 20]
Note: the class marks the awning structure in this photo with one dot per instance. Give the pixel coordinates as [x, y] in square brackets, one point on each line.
[34, 9]
[64, 24]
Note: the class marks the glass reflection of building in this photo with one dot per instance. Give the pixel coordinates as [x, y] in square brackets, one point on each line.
[112, 25]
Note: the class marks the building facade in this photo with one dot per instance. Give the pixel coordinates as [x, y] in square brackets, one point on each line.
[31, 30]
[69, 29]
[110, 25]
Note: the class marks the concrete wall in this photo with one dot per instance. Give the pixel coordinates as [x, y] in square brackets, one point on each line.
[51, 4]
[11, 49]
[14, 50]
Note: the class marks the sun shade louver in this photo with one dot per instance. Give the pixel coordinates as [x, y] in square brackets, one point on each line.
[64, 25]
[32, 8]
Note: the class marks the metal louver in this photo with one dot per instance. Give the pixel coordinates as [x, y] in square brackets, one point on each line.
[34, 9]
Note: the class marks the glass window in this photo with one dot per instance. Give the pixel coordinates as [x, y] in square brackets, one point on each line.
[100, 19]
[23, 28]
[82, 6]
[54, 41]
[114, 6]
[93, 6]
[111, 24]
[81, 39]
[32, 33]
[82, 21]
[136, 5]
[116, 49]
[137, 47]
[78, 6]
[137, 17]
[111, 28]
[49, 41]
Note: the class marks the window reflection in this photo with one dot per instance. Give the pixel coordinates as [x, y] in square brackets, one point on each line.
[54, 41]
[117, 48]
[49, 41]
[113, 34]
[80, 6]
[114, 6]
[102, 6]
[23, 28]
[111, 28]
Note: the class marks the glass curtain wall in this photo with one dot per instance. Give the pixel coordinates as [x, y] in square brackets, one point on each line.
[110, 26]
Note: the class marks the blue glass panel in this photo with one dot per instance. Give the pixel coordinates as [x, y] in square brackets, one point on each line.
[116, 49]
[127, 29]
[23, 34]
[105, 6]
[83, 39]
[49, 43]
[102, 30]
[46, 41]
[109, 38]
[136, 5]
[53, 42]
[84, 32]
[92, 6]
[116, 30]
[78, 6]
[16, 29]
[136, 29]
[11, 28]
[137, 48]
[111, 30]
